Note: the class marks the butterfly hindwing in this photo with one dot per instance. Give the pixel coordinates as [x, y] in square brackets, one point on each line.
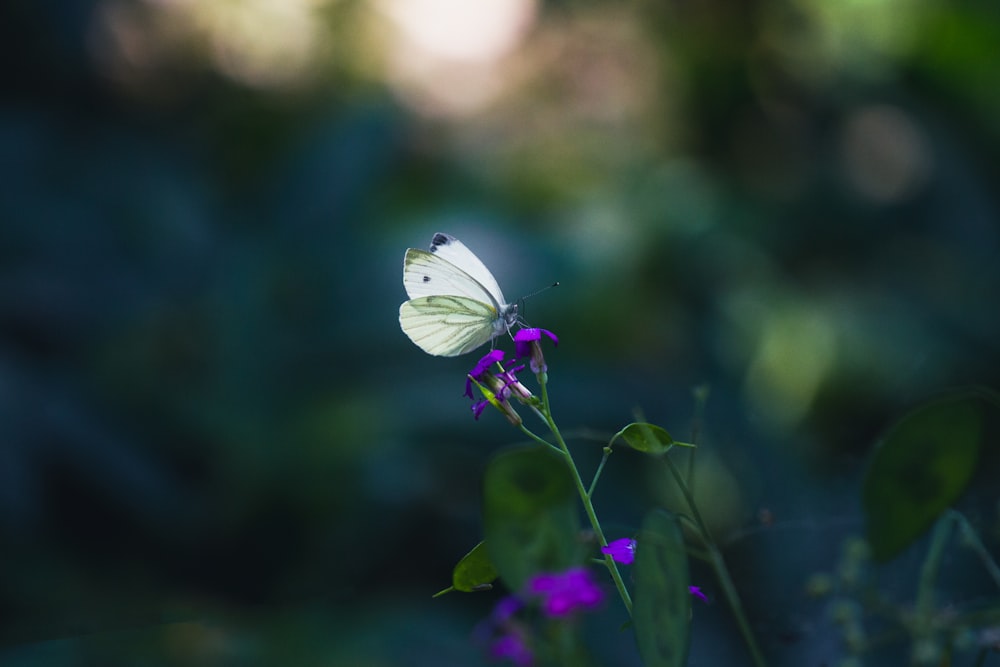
[448, 325]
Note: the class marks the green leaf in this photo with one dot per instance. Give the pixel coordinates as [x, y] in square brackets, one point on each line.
[529, 514]
[648, 438]
[475, 572]
[920, 467]
[661, 609]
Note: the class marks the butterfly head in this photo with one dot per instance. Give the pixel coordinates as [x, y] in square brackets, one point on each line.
[507, 318]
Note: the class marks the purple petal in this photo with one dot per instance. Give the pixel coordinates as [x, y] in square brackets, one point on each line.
[564, 593]
[590, 596]
[622, 550]
[512, 647]
[576, 578]
[506, 608]
[543, 583]
[524, 338]
[558, 605]
[477, 408]
[492, 357]
[696, 591]
[529, 334]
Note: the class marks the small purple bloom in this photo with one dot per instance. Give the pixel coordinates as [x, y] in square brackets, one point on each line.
[505, 637]
[563, 593]
[481, 368]
[622, 551]
[526, 344]
[512, 647]
[513, 386]
[524, 336]
[696, 591]
[506, 608]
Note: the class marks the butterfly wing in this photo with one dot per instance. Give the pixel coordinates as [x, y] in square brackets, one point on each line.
[451, 249]
[449, 268]
[449, 325]
[426, 274]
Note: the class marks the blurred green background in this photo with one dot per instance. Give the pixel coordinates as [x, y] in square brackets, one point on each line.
[219, 449]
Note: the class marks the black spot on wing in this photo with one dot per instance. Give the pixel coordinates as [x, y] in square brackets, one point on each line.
[440, 240]
[427, 279]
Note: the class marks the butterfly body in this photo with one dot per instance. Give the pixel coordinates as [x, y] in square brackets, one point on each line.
[455, 302]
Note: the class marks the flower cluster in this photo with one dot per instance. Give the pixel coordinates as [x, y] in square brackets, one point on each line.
[512, 647]
[499, 385]
[564, 593]
[507, 638]
[558, 595]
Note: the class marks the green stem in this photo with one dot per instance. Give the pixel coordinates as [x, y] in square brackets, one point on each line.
[700, 394]
[977, 545]
[542, 441]
[719, 565]
[597, 474]
[588, 506]
[929, 570]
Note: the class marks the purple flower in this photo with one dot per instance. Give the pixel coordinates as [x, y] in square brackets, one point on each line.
[622, 551]
[506, 608]
[511, 646]
[481, 369]
[527, 344]
[696, 591]
[496, 386]
[563, 593]
[505, 637]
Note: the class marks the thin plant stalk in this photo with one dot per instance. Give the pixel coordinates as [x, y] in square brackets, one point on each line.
[588, 506]
[721, 570]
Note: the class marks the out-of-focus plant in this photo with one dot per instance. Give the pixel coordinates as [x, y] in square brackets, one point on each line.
[919, 469]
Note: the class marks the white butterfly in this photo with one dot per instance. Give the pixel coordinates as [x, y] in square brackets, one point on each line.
[455, 302]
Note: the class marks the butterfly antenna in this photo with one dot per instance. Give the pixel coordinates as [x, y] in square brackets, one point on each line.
[537, 292]
[520, 302]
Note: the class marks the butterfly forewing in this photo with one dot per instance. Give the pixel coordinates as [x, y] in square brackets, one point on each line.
[447, 325]
[427, 274]
[449, 248]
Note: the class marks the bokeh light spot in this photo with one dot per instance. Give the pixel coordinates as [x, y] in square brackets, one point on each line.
[794, 354]
[443, 56]
[885, 155]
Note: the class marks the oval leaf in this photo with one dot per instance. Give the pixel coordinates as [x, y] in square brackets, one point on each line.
[661, 610]
[648, 438]
[920, 467]
[529, 514]
[475, 572]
